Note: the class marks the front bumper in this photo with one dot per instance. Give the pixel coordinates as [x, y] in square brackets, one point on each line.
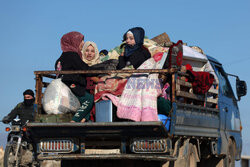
[108, 157]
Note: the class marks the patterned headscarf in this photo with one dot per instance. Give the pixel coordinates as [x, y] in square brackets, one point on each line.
[96, 59]
[70, 42]
[138, 34]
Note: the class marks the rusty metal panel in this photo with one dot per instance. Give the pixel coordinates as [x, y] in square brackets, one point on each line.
[110, 157]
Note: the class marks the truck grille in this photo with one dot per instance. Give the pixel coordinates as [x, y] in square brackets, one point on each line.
[57, 145]
[149, 146]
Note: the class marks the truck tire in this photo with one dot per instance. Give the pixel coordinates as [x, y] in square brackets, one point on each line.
[229, 159]
[9, 156]
[210, 162]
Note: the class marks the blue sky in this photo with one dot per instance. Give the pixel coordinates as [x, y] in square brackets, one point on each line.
[30, 33]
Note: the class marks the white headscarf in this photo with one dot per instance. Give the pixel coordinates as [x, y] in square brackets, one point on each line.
[96, 59]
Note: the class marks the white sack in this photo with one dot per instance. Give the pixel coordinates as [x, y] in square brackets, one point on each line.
[59, 99]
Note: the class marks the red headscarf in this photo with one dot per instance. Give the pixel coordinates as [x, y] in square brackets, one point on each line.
[70, 42]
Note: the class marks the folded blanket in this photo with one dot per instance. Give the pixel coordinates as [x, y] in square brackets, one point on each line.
[109, 85]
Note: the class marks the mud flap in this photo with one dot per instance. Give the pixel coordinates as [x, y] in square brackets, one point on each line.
[188, 155]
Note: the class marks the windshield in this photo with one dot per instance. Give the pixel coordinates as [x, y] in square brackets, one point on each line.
[224, 84]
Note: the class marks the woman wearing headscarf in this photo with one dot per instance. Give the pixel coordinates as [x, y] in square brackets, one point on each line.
[90, 53]
[134, 52]
[138, 101]
[71, 59]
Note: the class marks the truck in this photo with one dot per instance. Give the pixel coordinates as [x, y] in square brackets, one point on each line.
[205, 129]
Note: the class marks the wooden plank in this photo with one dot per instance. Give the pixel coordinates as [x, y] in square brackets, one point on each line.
[188, 84]
[196, 97]
[39, 85]
[172, 70]
[213, 91]
[210, 100]
[173, 88]
[189, 95]
[183, 83]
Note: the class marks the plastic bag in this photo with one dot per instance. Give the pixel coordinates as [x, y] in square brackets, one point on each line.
[59, 99]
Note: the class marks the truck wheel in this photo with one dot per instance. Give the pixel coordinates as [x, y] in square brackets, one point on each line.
[229, 160]
[9, 156]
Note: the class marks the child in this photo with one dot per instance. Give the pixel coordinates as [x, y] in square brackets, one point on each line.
[134, 52]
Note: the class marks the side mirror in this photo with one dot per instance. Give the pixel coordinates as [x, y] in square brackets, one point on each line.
[241, 88]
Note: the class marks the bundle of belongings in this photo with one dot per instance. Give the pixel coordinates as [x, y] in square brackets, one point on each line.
[58, 99]
[115, 83]
[200, 72]
[134, 95]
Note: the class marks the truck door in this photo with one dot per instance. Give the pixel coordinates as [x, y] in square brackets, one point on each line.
[229, 113]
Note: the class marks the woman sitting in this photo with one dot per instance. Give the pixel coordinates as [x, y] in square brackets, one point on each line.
[71, 59]
[134, 51]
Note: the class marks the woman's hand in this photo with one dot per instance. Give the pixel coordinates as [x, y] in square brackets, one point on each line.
[83, 120]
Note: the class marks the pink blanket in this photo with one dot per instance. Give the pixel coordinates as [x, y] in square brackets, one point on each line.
[138, 101]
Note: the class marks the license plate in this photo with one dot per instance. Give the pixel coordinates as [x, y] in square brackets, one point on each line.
[102, 151]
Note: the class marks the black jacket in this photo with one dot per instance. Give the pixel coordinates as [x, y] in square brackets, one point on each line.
[72, 61]
[136, 58]
[23, 112]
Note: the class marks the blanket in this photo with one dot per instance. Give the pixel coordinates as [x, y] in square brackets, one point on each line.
[138, 101]
[201, 81]
[108, 85]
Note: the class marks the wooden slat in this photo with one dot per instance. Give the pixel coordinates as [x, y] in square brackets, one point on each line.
[188, 84]
[39, 85]
[190, 95]
[172, 70]
[196, 97]
[214, 91]
[210, 100]
[183, 83]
